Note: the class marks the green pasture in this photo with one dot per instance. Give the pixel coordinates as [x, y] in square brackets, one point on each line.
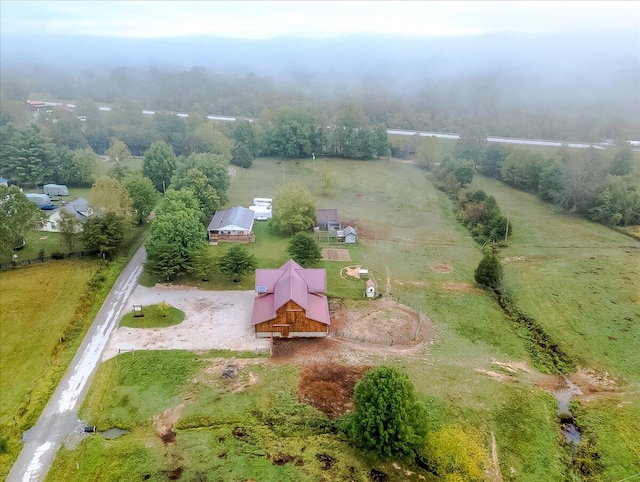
[37, 306]
[578, 279]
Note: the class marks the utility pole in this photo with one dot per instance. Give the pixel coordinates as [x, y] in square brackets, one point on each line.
[164, 189]
[506, 233]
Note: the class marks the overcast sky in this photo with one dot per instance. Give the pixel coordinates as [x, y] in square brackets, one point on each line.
[261, 20]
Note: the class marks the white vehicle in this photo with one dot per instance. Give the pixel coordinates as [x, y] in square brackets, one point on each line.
[262, 201]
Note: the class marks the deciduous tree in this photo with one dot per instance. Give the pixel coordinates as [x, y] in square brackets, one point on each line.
[104, 234]
[70, 228]
[294, 209]
[159, 164]
[17, 216]
[109, 195]
[77, 168]
[176, 234]
[143, 194]
[118, 151]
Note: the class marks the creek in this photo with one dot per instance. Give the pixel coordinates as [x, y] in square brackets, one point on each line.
[113, 433]
[567, 422]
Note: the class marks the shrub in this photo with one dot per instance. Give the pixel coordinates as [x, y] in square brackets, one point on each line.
[456, 453]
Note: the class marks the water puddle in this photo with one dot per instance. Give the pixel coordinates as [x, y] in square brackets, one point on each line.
[567, 422]
[114, 433]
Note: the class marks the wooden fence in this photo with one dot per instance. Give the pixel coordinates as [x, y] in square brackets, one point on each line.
[44, 259]
[381, 340]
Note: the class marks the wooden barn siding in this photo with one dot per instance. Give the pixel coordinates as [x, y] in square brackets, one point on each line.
[292, 314]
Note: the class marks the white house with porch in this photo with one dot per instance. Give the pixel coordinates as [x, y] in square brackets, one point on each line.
[232, 225]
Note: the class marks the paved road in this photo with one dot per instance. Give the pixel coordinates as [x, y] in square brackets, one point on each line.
[59, 417]
[401, 132]
[503, 140]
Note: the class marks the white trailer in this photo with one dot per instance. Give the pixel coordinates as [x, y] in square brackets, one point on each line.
[261, 213]
[262, 201]
[56, 189]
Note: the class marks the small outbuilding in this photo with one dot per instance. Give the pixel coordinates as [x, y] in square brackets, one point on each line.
[371, 289]
[290, 302]
[232, 225]
[328, 220]
[55, 190]
[350, 235]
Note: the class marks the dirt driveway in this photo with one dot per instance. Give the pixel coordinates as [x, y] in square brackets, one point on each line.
[213, 319]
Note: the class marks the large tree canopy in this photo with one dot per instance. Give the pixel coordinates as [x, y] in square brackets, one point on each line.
[143, 194]
[294, 209]
[159, 164]
[17, 216]
[211, 166]
[104, 234]
[28, 157]
[176, 234]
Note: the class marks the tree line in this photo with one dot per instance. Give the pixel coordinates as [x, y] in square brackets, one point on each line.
[600, 184]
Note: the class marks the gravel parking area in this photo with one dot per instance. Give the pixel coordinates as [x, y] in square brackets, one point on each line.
[213, 319]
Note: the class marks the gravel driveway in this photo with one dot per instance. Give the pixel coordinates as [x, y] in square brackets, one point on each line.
[213, 319]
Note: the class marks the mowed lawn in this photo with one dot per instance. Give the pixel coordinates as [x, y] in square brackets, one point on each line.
[36, 304]
[578, 279]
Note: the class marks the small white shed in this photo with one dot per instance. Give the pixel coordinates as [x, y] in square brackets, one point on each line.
[350, 235]
[371, 289]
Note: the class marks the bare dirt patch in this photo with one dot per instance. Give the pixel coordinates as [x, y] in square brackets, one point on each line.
[329, 387]
[335, 254]
[228, 374]
[165, 423]
[376, 321]
[361, 318]
[458, 286]
[440, 267]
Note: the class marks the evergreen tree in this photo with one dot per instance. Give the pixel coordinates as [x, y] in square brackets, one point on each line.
[489, 271]
[304, 250]
[237, 262]
[388, 419]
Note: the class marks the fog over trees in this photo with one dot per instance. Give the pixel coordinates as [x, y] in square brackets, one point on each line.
[566, 87]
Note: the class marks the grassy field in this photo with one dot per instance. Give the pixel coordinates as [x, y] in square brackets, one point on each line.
[32, 357]
[52, 302]
[153, 317]
[578, 279]
[410, 241]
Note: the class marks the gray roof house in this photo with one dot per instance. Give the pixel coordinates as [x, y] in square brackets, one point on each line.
[233, 225]
[79, 207]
